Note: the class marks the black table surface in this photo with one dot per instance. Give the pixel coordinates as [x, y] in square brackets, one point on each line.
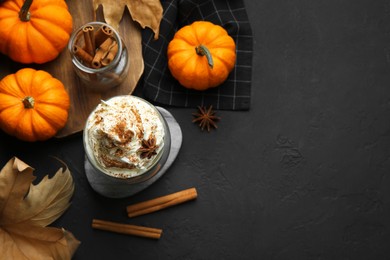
[304, 174]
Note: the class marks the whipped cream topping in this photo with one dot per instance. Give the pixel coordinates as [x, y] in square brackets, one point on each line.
[119, 131]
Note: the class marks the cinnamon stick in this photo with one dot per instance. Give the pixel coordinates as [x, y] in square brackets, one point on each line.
[101, 52]
[127, 229]
[84, 56]
[89, 39]
[162, 202]
[102, 34]
[110, 54]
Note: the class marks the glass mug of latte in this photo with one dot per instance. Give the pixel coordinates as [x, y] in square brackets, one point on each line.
[126, 142]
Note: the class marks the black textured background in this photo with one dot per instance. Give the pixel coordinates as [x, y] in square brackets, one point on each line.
[303, 175]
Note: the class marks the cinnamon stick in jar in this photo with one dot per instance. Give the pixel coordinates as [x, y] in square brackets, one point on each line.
[107, 65]
[102, 34]
[82, 55]
[102, 52]
[111, 54]
[89, 39]
[99, 46]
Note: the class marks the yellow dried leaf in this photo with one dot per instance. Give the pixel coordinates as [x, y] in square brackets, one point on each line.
[27, 209]
[148, 13]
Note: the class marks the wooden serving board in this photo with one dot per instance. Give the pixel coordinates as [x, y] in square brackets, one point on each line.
[83, 101]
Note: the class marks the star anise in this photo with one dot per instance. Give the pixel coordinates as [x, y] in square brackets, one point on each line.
[148, 148]
[206, 118]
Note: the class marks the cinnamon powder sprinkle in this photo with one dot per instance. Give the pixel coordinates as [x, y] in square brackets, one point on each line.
[109, 162]
[124, 134]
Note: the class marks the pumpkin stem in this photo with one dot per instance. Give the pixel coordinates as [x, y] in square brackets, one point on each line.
[28, 102]
[204, 51]
[24, 13]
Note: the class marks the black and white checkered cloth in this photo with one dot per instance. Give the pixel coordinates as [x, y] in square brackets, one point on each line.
[159, 86]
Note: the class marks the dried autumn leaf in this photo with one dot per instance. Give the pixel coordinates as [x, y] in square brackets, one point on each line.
[27, 209]
[148, 13]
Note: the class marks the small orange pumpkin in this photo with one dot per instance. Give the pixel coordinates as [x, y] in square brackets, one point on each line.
[201, 55]
[33, 105]
[34, 31]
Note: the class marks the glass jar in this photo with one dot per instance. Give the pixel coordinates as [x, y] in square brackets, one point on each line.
[86, 44]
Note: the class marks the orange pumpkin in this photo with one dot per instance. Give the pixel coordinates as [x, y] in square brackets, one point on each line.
[33, 105]
[34, 31]
[201, 55]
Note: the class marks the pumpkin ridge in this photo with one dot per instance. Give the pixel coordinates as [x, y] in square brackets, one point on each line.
[49, 97]
[60, 105]
[196, 35]
[10, 90]
[50, 121]
[24, 87]
[56, 43]
[227, 64]
[222, 58]
[185, 62]
[54, 21]
[39, 93]
[42, 12]
[48, 16]
[58, 27]
[224, 42]
[43, 116]
[9, 126]
[20, 123]
[212, 37]
[37, 133]
[9, 38]
[9, 107]
[49, 132]
[48, 92]
[47, 42]
[13, 38]
[194, 30]
[11, 5]
[43, 86]
[9, 15]
[207, 38]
